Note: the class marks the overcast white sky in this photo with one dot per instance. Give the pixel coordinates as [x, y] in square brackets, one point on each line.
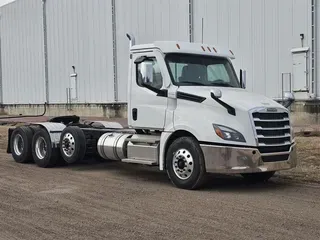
[3, 2]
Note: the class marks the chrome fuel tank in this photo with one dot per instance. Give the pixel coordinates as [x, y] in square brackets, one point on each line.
[113, 146]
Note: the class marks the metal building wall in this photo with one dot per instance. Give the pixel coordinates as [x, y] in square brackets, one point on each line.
[260, 32]
[22, 53]
[316, 23]
[148, 20]
[80, 35]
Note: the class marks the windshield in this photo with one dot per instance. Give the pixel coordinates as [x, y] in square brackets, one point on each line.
[196, 70]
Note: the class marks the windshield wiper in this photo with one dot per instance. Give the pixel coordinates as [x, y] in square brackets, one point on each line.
[222, 85]
[195, 83]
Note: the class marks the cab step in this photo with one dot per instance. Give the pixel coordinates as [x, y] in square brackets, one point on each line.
[140, 161]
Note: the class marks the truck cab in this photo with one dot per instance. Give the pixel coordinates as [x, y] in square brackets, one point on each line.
[191, 89]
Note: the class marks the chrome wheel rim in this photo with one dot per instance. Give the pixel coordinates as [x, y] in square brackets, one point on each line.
[41, 148]
[18, 144]
[183, 164]
[68, 145]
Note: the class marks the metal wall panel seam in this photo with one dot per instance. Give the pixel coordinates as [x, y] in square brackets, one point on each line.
[45, 49]
[114, 40]
[191, 20]
[314, 17]
[1, 87]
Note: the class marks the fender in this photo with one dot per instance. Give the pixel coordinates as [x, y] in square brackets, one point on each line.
[54, 130]
[165, 136]
[104, 124]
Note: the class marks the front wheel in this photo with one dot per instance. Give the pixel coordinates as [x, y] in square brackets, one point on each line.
[258, 177]
[185, 164]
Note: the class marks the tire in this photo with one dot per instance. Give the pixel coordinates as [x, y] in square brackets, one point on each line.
[72, 144]
[185, 152]
[258, 177]
[20, 144]
[34, 128]
[43, 154]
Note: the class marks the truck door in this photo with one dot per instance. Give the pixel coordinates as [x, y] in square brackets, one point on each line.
[148, 97]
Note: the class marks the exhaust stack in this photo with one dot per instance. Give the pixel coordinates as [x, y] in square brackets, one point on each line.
[131, 39]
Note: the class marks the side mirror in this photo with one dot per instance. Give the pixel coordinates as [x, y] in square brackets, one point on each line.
[243, 78]
[146, 72]
[216, 93]
[288, 99]
[289, 96]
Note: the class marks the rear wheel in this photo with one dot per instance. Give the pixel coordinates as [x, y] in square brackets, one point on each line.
[185, 164]
[258, 177]
[72, 144]
[20, 144]
[43, 154]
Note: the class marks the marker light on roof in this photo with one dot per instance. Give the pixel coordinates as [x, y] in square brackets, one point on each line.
[231, 52]
[214, 49]
[178, 46]
[203, 48]
[209, 49]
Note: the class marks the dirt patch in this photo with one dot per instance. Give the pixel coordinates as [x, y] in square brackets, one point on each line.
[3, 138]
[111, 200]
[308, 149]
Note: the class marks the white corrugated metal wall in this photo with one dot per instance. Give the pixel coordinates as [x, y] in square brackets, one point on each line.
[79, 33]
[260, 32]
[22, 53]
[149, 20]
[317, 44]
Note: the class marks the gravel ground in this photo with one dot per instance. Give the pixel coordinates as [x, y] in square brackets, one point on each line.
[121, 201]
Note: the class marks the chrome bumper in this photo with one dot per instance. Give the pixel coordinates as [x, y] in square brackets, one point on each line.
[244, 160]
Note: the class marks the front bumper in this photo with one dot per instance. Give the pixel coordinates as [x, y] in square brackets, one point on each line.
[244, 160]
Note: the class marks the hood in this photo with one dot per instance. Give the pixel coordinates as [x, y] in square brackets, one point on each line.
[235, 97]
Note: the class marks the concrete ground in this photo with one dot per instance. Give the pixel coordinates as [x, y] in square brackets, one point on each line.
[111, 200]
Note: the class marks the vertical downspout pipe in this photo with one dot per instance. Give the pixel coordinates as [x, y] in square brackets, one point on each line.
[114, 47]
[1, 83]
[315, 48]
[191, 22]
[45, 49]
[314, 32]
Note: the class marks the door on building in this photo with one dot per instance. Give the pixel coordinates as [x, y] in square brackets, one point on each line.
[300, 70]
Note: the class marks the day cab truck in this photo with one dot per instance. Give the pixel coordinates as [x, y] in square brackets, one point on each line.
[188, 114]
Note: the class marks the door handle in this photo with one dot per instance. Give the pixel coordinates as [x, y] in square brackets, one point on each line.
[134, 114]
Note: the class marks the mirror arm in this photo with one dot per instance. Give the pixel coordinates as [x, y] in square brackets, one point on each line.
[288, 103]
[230, 109]
[141, 59]
[159, 92]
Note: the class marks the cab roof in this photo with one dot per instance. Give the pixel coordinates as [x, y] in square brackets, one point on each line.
[185, 47]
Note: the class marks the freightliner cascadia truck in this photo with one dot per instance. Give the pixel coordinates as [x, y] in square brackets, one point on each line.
[189, 114]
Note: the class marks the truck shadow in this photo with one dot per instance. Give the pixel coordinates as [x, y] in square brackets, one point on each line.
[215, 182]
[226, 183]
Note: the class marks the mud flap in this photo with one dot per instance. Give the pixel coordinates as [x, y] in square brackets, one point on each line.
[10, 131]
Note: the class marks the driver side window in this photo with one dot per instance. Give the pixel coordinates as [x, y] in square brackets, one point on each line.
[156, 81]
[217, 72]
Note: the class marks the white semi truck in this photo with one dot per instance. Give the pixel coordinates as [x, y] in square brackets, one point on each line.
[188, 114]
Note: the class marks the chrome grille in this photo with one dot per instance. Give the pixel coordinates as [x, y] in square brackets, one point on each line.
[273, 134]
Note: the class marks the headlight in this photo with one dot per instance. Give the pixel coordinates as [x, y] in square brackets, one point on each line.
[228, 134]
